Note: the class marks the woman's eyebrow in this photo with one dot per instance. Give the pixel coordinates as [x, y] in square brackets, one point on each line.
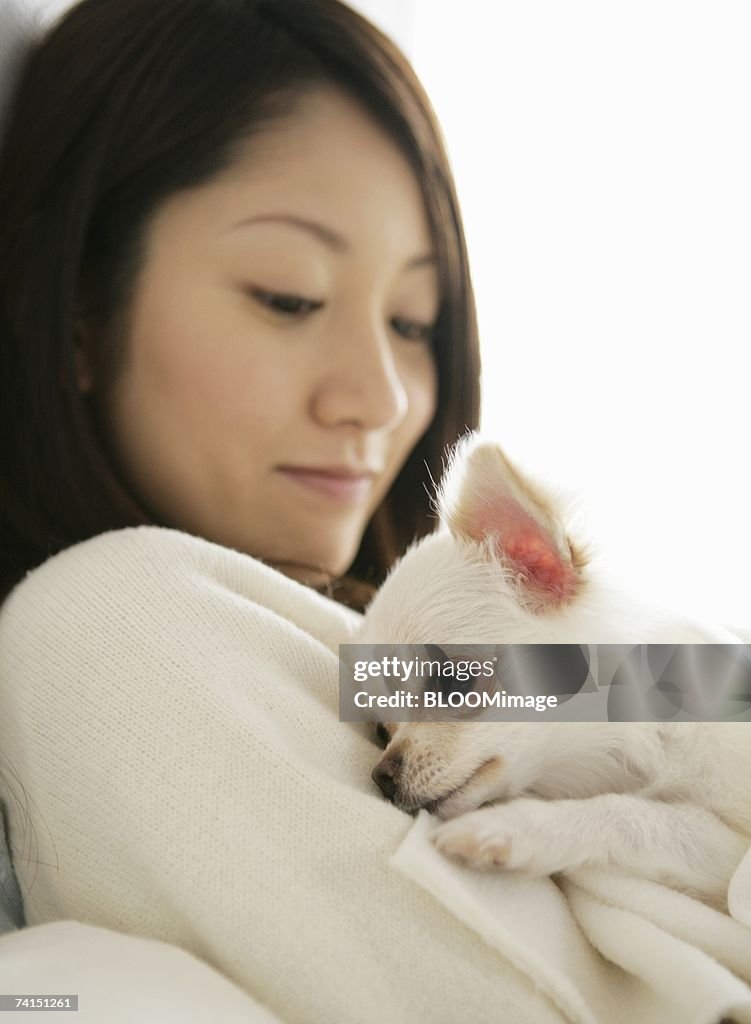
[330, 238]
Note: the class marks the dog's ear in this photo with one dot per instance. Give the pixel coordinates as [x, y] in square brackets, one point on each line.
[487, 500]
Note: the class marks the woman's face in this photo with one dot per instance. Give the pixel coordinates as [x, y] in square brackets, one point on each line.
[278, 366]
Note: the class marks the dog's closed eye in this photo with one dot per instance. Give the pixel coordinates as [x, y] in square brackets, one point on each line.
[382, 735]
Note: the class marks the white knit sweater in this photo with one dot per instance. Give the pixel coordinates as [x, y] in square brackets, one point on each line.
[171, 709]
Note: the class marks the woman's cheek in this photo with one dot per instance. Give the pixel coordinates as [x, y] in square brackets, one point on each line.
[423, 392]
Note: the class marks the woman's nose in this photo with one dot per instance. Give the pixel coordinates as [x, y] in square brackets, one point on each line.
[362, 385]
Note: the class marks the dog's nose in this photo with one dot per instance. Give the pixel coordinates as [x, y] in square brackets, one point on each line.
[384, 774]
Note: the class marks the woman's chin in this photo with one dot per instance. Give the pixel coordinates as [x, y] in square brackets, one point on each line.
[312, 571]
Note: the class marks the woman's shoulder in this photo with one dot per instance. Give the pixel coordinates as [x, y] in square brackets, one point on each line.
[118, 561]
[109, 583]
[155, 577]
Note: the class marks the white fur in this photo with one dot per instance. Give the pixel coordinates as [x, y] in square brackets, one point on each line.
[668, 801]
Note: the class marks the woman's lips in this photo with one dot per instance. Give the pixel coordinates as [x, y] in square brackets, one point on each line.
[347, 487]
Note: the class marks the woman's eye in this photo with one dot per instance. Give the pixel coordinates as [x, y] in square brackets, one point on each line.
[285, 304]
[412, 330]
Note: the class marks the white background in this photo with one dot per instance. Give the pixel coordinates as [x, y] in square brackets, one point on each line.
[602, 153]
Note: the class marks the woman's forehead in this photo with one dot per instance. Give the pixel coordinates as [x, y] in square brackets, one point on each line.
[328, 172]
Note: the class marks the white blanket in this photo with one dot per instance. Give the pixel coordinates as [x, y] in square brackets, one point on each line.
[171, 709]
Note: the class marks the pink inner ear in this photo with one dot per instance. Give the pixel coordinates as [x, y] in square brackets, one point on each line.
[526, 547]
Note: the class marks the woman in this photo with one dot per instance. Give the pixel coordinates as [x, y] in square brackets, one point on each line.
[120, 110]
[236, 312]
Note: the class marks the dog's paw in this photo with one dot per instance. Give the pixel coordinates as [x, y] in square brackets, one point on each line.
[474, 841]
[508, 836]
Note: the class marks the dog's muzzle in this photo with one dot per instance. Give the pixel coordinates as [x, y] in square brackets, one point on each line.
[385, 775]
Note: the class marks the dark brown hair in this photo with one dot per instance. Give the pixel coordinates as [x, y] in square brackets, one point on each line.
[122, 104]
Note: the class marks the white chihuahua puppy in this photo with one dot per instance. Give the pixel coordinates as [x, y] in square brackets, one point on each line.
[671, 802]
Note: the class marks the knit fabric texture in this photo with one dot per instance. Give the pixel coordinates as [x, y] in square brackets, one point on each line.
[171, 707]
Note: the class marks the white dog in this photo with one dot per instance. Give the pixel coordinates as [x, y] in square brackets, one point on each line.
[671, 802]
